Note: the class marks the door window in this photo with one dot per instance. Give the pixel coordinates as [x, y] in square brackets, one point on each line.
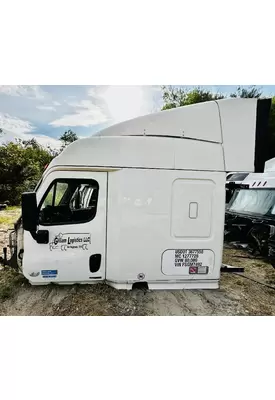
[69, 201]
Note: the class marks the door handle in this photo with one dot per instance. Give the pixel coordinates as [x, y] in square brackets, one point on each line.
[95, 262]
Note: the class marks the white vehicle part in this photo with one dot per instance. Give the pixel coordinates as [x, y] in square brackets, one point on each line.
[161, 199]
[69, 249]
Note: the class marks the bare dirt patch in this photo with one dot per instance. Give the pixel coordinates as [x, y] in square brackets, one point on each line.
[236, 296]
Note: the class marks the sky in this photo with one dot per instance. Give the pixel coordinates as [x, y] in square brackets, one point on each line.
[46, 112]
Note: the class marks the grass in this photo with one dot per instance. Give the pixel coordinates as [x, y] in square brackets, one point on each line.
[13, 208]
[9, 279]
[7, 219]
[9, 216]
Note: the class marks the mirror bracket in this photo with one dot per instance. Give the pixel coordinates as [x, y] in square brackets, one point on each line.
[41, 236]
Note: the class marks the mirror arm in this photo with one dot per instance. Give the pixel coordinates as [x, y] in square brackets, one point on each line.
[40, 236]
[34, 235]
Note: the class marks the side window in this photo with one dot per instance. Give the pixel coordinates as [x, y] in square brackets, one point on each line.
[55, 195]
[69, 201]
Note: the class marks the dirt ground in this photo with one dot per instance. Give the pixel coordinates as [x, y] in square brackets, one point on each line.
[237, 295]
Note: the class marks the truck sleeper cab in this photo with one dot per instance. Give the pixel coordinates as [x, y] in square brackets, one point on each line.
[142, 201]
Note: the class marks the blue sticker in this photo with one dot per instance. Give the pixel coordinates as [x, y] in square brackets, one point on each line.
[52, 273]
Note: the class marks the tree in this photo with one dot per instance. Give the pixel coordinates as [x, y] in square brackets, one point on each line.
[177, 96]
[21, 166]
[53, 152]
[251, 93]
[68, 137]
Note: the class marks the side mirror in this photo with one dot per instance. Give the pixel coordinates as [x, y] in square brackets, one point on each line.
[29, 212]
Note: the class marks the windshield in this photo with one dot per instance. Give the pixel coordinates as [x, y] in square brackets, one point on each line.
[253, 201]
[237, 177]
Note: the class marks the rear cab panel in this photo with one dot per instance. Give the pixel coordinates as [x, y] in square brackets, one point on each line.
[152, 215]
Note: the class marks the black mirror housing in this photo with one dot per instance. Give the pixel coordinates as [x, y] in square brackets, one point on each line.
[29, 211]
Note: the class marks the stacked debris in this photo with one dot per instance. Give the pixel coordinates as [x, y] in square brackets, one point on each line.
[250, 216]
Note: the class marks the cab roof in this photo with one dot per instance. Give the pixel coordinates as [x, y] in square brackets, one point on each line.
[215, 136]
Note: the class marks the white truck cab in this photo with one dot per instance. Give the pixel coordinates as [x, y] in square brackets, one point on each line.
[250, 216]
[255, 195]
[141, 201]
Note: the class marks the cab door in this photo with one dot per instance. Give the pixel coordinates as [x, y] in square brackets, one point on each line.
[72, 208]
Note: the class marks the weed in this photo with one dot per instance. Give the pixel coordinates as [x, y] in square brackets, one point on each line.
[6, 220]
[9, 216]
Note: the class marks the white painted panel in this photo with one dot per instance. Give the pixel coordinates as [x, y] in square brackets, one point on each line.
[238, 119]
[71, 262]
[262, 180]
[199, 121]
[198, 156]
[270, 165]
[143, 152]
[187, 191]
[224, 131]
[188, 262]
[139, 222]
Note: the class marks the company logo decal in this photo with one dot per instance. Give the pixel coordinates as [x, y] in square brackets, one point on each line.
[71, 241]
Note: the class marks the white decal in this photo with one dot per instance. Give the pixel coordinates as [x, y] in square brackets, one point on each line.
[187, 261]
[189, 258]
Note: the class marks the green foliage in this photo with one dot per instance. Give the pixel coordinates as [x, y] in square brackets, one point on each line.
[9, 216]
[21, 166]
[67, 138]
[60, 190]
[6, 219]
[176, 96]
[251, 93]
